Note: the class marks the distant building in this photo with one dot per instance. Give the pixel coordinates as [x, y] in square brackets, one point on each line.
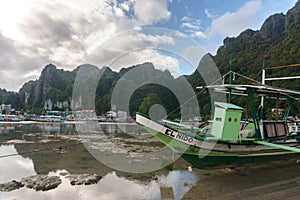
[121, 115]
[6, 107]
[87, 114]
[111, 114]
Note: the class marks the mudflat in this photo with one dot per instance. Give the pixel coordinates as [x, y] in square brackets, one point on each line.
[275, 180]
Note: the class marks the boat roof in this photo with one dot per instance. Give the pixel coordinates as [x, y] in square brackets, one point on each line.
[228, 106]
[262, 90]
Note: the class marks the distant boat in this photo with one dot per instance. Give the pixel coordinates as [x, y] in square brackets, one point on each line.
[10, 118]
[49, 118]
[228, 139]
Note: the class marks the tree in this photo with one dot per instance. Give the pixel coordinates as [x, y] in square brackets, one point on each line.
[149, 101]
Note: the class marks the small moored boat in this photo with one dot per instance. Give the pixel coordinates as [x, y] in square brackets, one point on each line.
[228, 139]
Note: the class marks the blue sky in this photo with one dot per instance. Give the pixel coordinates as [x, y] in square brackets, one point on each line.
[199, 19]
[34, 33]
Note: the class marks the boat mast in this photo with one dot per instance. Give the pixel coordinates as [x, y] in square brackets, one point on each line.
[230, 78]
[263, 80]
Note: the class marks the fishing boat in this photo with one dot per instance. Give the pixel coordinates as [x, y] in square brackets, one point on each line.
[10, 118]
[227, 139]
[50, 118]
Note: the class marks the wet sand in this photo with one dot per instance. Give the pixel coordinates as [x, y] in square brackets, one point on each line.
[278, 180]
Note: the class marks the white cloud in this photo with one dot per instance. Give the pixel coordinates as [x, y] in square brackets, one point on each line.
[208, 14]
[132, 48]
[186, 19]
[232, 23]
[180, 34]
[189, 26]
[13, 12]
[198, 34]
[35, 33]
[118, 11]
[159, 60]
[152, 11]
[125, 6]
[192, 27]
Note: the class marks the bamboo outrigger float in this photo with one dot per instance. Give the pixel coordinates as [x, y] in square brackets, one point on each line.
[229, 140]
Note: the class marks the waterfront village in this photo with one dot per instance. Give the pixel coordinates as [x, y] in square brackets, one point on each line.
[8, 113]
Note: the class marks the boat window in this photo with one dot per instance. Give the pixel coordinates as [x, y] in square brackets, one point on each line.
[218, 119]
[229, 119]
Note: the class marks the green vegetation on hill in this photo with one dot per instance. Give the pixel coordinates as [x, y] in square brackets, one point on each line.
[277, 42]
[12, 98]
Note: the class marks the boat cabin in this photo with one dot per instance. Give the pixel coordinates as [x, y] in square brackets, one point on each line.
[226, 122]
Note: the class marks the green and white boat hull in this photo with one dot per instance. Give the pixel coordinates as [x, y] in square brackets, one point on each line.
[204, 152]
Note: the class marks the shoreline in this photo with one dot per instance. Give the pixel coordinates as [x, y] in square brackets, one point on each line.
[276, 180]
[272, 180]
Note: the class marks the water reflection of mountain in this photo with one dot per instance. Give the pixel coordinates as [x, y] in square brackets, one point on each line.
[46, 140]
[122, 186]
[47, 148]
[75, 159]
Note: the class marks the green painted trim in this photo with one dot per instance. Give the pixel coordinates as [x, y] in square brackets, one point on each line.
[182, 148]
[294, 149]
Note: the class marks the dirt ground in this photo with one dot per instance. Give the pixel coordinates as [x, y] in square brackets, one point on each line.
[276, 180]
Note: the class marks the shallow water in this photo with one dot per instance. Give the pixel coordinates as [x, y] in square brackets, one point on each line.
[33, 149]
[14, 167]
[111, 186]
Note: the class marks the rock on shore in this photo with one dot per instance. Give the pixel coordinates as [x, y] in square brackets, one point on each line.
[41, 182]
[83, 179]
[10, 186]
[46, 182]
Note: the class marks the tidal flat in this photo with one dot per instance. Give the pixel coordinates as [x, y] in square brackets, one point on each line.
[57, 150]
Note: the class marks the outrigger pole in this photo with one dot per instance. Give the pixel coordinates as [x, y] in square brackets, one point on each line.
[230, 78]
[294, 149]
[282, 67]
[264, 79]
[277, 67]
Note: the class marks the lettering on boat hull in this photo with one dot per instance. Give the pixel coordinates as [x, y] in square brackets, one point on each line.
[179, 136]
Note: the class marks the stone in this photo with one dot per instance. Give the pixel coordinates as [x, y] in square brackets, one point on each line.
[41, 182]
[83, 179]
[10, 186]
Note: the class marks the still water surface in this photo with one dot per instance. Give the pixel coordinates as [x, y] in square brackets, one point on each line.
[18, 140]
